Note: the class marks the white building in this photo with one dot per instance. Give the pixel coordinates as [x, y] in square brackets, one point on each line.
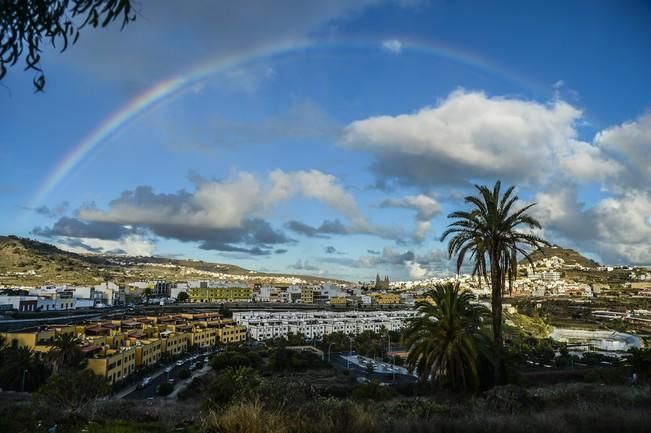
[264, 325]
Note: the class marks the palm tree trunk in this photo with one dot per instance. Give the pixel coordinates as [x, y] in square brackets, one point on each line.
[496, 304]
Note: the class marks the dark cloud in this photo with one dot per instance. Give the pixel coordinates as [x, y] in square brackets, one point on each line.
[256, 236]
[327, 227]
[375, 253]
[75, 228]
[54, 212]
[280, 251]
[330, 250]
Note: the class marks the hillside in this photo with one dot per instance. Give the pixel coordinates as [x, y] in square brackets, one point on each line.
[27, 262]
[569, 256]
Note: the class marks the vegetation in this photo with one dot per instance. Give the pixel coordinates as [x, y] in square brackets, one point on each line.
[27, 24]
[445, 339]
[232, 383]
[183, 297]
[69, 393]
[164, 389]
[20, 370]
[66, 353]
[488, 235]
[184, 373]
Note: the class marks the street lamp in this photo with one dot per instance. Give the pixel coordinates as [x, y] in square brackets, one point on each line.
[22, 384]
[329, 346]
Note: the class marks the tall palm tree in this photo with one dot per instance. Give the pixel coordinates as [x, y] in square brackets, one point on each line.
[66, 352]
[445, 339]
[20, 370]
[488, 235]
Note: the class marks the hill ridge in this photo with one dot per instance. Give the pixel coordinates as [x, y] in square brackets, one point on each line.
[28, 262]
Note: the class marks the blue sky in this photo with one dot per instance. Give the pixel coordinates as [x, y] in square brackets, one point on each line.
[340, 146]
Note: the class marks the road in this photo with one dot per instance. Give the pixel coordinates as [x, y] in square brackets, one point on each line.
[159, 377]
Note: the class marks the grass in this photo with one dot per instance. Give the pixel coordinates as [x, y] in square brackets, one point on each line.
[121, 426]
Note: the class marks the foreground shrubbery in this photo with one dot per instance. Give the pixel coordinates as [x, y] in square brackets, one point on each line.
[505, 410]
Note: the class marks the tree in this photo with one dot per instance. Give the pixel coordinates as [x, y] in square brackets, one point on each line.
[66, 352]
[445, 338]
[70, 392]
[182, 297]
[25, 24]
[20, 370]
[487, 233]
[164, 389]
[147, 294]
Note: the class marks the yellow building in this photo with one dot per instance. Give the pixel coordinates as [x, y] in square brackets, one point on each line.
[173, 343]
[37, 339]
[148, 351]
[113, 364]
[307, 295]
[220, 294]
[202, 337]
[228, 332]
[338, 300]
[386, 298]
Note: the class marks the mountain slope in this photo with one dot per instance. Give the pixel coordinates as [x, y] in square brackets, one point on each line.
[569, 256]
[31, 263]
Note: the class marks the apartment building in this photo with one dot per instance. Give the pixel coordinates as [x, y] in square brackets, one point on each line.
[220, 294]
[113, 364]
[264, 325]
[148, 351]
[173, 343]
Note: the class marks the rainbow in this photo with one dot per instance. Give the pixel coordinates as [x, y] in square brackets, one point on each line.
[168, 90]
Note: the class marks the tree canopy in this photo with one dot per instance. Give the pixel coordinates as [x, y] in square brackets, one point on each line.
[26, 24]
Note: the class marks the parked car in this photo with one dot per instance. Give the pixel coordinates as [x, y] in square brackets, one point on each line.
[180, 362]
[145, 383]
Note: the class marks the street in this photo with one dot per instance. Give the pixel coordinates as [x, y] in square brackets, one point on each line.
[161, 376]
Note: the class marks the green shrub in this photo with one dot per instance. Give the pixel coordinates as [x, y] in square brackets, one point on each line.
[232, 384]
[164, 389]
[372, 390]
[184, 373]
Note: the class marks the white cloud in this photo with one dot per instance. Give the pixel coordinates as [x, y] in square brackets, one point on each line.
[588, 162]
[132, 245]
[425, 206]
[392, 45]
[233, 205]
[469, 135]
[632, 142]
[616, 228]
[416, 271]
[316, 185]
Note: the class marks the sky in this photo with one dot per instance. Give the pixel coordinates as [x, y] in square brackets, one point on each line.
[334, 138]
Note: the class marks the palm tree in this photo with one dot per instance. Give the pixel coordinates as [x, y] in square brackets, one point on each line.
[445, 339]
[66, 352]
[487, 233]
[20, 370]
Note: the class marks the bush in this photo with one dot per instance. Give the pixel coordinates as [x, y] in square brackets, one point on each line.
[184, 374]
[510, 399]
[68, 393]
[232, 384]
[246, 417]
[165, 388]
[372, 390]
